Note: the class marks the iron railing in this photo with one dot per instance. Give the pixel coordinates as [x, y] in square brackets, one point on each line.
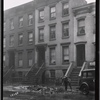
[30, 69]
[39, 69]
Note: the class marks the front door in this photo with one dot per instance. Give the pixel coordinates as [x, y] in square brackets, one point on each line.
[80, 54]
[41, 56]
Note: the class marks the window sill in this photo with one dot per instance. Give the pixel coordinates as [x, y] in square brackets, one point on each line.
[20, 27]
[65, 15]
[52, 18]
[52, 64]
[41, 41]
[65, 63]
[81, 34]
[40, 21]
[20, 45]
[52, 39]
[66, 37]
[30, 43]
[30, 25]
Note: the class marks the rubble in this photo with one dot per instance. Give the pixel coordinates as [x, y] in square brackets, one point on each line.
[37, 89]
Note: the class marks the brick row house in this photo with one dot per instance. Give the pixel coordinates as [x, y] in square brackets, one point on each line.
[19, 39]
[59, 41]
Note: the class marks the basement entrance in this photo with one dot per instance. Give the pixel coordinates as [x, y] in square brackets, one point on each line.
[80, 54]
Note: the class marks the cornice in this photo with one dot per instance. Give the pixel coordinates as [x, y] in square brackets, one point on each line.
[88, 8]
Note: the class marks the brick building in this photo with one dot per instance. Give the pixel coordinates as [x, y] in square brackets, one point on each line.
[60, 40]
[58, 37]
[19, 38]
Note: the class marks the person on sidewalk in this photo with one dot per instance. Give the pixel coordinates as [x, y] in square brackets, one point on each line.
[67, 82]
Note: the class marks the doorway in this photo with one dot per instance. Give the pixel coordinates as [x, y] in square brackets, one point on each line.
[41, 55]
[11, 59]
[80, 54]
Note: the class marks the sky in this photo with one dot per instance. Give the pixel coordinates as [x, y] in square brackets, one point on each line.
[13, 3]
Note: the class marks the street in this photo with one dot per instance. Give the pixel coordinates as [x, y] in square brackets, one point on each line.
[23, 93]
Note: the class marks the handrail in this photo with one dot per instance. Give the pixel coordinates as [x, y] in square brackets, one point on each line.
[29, 70]
[8, 71]
[39, 69]
[82, 68]
[66, 74]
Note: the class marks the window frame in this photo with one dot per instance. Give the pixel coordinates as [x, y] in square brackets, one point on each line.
[21, 25]
[80, 27]
[63, 3]
[20, 59]
[12, 24]
[29, 58]
[30, 19]
[68, 55]
[19, 39]
[50, 32]
[11, 42]
[4, 59]
[30, 32]
[39, 18]
[52, 18]
[50, 61]
[41, 28]
[63, 23]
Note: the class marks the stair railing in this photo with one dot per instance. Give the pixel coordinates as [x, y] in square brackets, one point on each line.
[8, 71]
[29, 70]
[39, 69]
[83, 67]
[69, 70]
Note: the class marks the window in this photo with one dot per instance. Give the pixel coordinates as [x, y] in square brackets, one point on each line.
[30, 61]
[4, 59]
[41, 34]
[4, 27]
[65, 30]
[30, 19]
[65, 9]
[84, 75]
[90, 74]
[52, 56]
[20, 61]
[81, 26]
[52, 73]
[52, 12]
[65, 54]
[11, 41]
[11, 24]
[21, 22]
[20, 39]
[4, 42]
[52, 32]
[94, 25]
[30, 37]
[41, 15]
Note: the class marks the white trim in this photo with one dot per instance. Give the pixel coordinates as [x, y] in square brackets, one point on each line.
[66, 74]
[82, 68]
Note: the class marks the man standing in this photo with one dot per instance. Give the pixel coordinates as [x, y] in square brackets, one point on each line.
[66, 82]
